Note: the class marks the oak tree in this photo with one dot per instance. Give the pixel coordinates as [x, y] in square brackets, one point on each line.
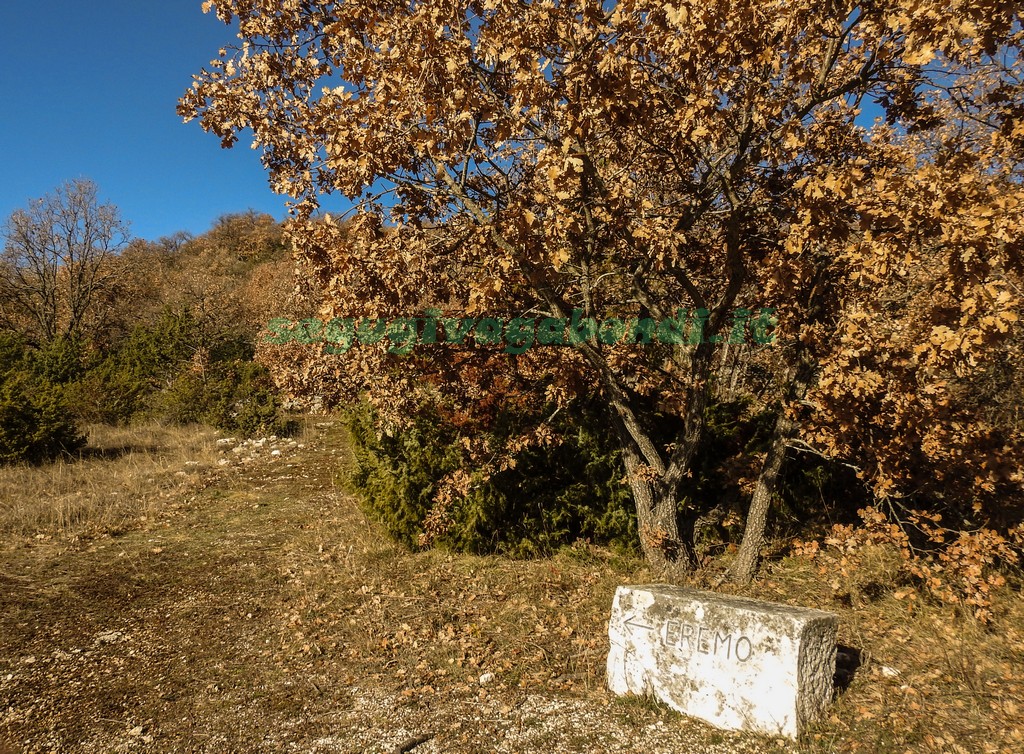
[629, 160]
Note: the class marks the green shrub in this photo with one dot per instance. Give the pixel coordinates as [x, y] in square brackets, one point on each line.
[172, 370]
[61, 361]
[12, 354]
[236, 396]
[35, 423]
[122, 384]
[168, 369]
[110, 394]
[396, 475]
[553, 497]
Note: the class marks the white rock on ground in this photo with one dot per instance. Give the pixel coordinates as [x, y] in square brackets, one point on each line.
[736, 663]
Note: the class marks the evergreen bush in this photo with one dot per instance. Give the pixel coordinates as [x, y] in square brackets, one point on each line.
[236, 396]
[121, 385]
[553, 497]
[35, 423]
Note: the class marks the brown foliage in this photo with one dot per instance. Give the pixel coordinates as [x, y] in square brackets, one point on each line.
[231, 279]
[628, 160]
[56, 269]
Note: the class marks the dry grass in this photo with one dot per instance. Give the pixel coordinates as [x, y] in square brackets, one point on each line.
[932, 679]
[118, 479]
[264, 613]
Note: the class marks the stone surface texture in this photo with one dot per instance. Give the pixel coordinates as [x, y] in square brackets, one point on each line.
[737, 663]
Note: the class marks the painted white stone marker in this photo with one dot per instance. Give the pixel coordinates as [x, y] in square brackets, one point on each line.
[737, 663]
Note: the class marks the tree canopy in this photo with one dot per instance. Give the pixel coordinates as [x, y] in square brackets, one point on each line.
[855, 166]
[55, 271]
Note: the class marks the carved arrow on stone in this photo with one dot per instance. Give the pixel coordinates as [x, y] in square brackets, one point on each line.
[630, 623]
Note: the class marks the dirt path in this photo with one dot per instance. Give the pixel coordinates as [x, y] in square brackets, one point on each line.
[264, 614]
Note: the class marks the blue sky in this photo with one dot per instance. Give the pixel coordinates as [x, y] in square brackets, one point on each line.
[89, 90]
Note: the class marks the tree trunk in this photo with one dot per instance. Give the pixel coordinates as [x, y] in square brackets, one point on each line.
[657, 473]
[745, 565]
[665, 536]
[664, 546]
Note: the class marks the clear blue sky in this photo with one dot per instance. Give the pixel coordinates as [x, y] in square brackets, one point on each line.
[88, 89]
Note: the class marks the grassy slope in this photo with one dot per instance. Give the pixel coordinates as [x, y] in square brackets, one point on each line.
[251, 608]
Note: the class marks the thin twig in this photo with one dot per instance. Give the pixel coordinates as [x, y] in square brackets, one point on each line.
[411, 743]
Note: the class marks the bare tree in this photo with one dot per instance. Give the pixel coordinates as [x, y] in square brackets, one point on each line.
[54, 268]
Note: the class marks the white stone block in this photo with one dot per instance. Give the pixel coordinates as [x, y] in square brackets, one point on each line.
[737, 663]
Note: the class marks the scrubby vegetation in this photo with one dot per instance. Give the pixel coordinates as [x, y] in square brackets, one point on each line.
[35, 423]
[884, 411]
[854, 167]
[169, 336]
[566, 492]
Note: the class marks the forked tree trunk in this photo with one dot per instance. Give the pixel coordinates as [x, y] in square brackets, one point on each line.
[666, 537]
[657, 474]
[664, 545]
